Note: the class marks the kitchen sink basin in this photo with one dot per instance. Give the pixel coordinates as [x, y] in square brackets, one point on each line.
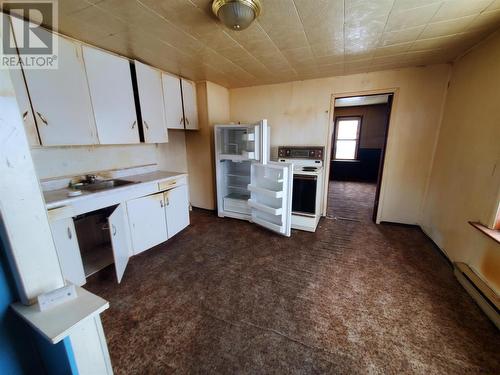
[101, 184]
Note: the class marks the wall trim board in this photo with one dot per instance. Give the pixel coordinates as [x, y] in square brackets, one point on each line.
[331, 128]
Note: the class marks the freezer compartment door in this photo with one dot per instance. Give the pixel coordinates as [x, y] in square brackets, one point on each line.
[271, 196]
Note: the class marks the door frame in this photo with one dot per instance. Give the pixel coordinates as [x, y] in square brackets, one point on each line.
[381, 185]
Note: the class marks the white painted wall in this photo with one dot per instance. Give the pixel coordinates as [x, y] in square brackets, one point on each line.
[53, 162]
[298, 113]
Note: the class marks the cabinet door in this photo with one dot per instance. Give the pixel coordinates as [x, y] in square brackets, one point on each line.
[112, 94]
[120, 239]
[60, 97]
[150, 90]
[190, 108]
[147, 222]
[173, 101]
[176, 209]
[68, 251]
[23, 102]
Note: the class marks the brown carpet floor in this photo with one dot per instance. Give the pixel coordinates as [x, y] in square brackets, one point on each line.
[227, 297]
[351, 200]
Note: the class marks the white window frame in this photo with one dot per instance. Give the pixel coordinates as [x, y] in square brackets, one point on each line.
[357, 139]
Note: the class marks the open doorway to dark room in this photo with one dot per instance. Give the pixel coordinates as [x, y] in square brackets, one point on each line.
[357, 156]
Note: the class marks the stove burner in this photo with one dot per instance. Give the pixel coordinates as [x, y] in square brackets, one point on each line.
[309, 169]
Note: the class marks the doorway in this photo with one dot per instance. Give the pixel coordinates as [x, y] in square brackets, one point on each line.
[357, 154]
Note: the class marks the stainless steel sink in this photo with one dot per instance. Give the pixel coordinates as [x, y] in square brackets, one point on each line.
[101, 184]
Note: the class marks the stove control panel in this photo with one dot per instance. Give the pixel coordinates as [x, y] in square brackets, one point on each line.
[301, 152]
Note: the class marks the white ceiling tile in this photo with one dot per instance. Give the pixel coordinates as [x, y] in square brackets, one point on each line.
[443, 28]
[401, 36]
[460, 8]
[293, 39]
[404, 19]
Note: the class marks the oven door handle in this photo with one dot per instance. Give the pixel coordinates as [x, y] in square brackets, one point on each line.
[305, 177]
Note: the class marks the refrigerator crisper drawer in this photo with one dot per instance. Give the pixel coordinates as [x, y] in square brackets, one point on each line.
[237, 203]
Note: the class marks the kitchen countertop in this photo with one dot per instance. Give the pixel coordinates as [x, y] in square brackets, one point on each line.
[59, 197]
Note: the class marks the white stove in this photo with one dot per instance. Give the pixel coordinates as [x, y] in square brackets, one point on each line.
[305, 165]
[307, 184]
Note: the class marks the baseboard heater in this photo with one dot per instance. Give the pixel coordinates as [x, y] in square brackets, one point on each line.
[484, 296]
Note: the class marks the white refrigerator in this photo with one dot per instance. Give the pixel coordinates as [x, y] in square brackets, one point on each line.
[249, 186]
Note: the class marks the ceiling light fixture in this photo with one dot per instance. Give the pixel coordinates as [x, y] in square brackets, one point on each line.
[237, 14]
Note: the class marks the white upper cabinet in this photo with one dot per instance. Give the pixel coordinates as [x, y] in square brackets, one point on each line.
[190, 108]
[173, 101]
[111, 90]
[23, 102]
[60, 97]
[150, 91]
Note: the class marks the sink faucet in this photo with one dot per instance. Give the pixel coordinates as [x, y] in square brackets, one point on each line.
[91, 178]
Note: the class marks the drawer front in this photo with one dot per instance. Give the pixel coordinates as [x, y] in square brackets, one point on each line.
[60, 213]
[236, 205]
[170, 184]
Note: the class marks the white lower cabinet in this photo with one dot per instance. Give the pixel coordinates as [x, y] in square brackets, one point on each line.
[68, 251]
[155, 218]
[120, 239]
[147, 222]
[176, 209]
[89, 242]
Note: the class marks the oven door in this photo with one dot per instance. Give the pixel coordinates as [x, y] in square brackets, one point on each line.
[304, 194]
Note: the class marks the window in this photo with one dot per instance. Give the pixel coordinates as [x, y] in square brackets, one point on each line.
[347, 137]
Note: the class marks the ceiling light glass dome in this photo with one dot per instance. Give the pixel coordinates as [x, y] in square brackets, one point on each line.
[236, 14]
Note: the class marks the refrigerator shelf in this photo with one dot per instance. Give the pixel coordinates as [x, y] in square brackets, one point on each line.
[238, 175]
[264, 208]
[264, 191]
[245, 155]
[267, 224]
[248, 137]
[238, 187]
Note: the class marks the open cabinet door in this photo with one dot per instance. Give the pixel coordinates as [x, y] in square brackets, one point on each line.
[120, 239]
[271, 196]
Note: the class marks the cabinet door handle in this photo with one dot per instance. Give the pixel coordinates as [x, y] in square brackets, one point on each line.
[70, 235]
[42, 118]
[168, 202]
[146, 124]
[114, 229]
[182, 118]
[161, 203]
[187, 120]
[25, 114]
[133, 124]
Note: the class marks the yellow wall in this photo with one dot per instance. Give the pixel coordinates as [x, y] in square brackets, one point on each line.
[213, 108]
[298, 115]
[465, 179]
